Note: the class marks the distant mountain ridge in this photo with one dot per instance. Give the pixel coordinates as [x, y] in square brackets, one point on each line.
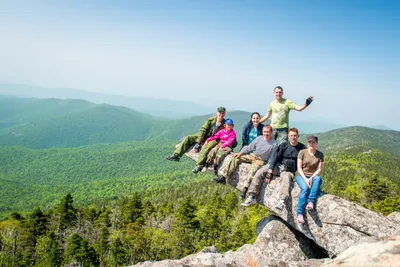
[165, 108]
[157, 107]
[44, 123]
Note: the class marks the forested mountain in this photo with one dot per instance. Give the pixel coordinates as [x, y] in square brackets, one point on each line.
[361, 139]
[99, 159]
[122, 202]
[44, 123]
[32, 177]
[16, 111]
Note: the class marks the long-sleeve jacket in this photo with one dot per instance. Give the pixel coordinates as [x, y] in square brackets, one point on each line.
[286, 151]
[226, 138]
[260, 147]
[208, 129]
[246, 132]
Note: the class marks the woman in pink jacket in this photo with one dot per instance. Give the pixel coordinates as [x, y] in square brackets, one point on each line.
[227, 138]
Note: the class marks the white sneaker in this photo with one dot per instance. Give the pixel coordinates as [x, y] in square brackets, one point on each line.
[249, 202]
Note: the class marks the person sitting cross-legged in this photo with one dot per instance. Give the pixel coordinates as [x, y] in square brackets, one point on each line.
[257, 153]
[283, 163]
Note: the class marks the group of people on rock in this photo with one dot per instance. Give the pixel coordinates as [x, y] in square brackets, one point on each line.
[272, 150]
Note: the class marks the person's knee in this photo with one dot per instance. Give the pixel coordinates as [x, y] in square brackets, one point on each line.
[304, 192]
[259, 174]
[186, 140]
[317, 180]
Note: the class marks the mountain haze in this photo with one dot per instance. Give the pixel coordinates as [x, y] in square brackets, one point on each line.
[165, 108]
[157, 107]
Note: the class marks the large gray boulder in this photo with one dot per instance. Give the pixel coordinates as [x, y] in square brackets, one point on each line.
[336, 223]
[276, 245]
[370, 251]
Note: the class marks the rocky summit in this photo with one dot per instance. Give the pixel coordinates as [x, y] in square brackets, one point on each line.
[336, 233]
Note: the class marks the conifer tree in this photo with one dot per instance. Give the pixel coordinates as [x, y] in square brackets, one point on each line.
[67, 213]
[79, 251]
[376, 189]
[118, 254]
[102, 246]
[48, 251]
[132, 211]
[34, 227]
[186, 214]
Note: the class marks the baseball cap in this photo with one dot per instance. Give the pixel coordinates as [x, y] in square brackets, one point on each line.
[313, 138]
[221, 109]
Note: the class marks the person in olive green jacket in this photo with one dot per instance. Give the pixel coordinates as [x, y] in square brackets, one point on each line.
[209, 128]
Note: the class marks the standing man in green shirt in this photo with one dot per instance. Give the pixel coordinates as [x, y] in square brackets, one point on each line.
[279, 110]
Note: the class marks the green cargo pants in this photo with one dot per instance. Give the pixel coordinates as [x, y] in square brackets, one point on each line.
[186, 144]
[218, 154]
[204, 152]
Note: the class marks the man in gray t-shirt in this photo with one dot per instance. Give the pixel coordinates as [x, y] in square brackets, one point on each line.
[257, 153]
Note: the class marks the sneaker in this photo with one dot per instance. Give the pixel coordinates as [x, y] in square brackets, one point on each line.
[300, 218]
[220, 179]
[197, 169]
[249, 201]
[173, 157]
[280, 204]
[310, 206]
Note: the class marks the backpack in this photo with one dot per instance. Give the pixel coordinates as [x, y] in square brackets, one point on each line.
[234, 144]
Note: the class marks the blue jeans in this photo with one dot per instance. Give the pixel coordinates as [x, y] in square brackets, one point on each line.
[307, 194]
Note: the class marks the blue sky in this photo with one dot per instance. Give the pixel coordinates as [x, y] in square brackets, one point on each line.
[230, 53]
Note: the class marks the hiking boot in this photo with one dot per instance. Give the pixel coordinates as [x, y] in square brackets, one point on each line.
[280, 204]
[220, 179]
[310, 206]
[215, 167]
[300, 218]
[173, 157]
[197, 169]
[249, 201]
[197, 148]
[243, 194]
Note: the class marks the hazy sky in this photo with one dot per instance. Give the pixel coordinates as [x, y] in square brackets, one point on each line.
[346, 53]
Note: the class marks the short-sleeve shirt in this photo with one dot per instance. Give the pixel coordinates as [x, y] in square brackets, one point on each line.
[310, 163]
[253, 134]
[280, 113]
